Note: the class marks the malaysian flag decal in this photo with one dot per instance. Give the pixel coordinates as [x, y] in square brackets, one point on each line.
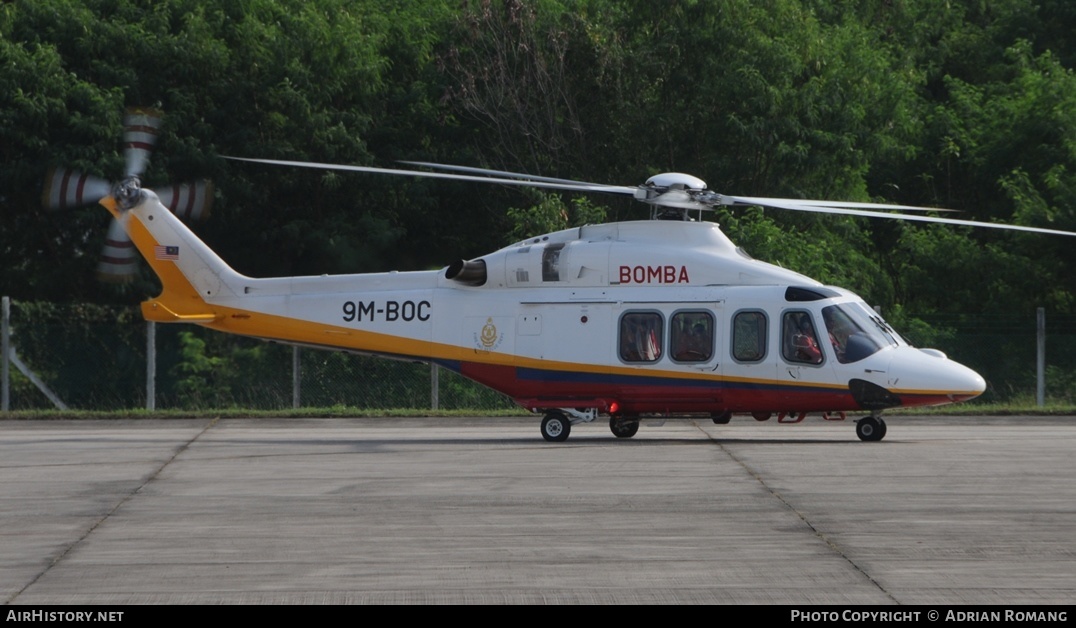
[166, 252]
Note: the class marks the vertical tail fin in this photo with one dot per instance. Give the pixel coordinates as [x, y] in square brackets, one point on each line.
[193, 276]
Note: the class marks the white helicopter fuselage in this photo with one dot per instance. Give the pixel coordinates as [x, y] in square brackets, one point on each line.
[625, 319]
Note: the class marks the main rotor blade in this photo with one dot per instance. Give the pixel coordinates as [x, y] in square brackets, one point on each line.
[677, 202]
[756, 200]
[813, 206]
[577, 187]
[500, 173]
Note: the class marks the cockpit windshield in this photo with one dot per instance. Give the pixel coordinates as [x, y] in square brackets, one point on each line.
[856, 331]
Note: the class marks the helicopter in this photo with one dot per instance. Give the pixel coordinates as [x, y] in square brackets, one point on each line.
[659, 318]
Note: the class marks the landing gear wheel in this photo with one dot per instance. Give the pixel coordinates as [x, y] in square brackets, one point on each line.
[870, 429]
[722, 418]
[556, 427]
[623, 428]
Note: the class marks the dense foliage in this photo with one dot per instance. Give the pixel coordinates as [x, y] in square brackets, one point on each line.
[964, 104]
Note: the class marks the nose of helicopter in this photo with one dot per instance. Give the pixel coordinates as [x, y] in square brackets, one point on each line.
[928, 377]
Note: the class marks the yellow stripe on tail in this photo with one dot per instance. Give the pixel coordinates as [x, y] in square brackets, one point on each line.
[180, 301]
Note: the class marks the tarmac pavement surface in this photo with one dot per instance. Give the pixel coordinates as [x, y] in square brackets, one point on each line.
[944, 511]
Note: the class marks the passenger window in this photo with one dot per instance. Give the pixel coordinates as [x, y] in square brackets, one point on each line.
[641, 337]
[749, 336]
[691, 336]
[799, 340]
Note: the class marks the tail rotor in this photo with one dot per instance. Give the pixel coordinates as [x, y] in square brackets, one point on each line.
[67, 189]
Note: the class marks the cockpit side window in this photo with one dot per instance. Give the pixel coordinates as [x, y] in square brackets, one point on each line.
[799, 341]
[850, 341]
[641, 335]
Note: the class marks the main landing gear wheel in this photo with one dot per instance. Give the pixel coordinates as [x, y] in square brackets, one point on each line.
[556, 427]
[623, 428]
[870, 429]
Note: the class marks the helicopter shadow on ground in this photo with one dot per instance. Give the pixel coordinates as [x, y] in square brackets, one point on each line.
[590, 441]
[378, 445]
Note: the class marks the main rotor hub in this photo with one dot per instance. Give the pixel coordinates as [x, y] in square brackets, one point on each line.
[675, 181]
[672, 194]
[128, 192]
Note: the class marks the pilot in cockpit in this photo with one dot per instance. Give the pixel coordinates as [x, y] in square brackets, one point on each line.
[804, 340]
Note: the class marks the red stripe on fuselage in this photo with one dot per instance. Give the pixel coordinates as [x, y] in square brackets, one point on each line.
[647, 394]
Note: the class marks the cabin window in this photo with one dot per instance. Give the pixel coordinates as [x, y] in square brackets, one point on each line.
[749, 336]
[799, 340]
[691, 336]
[641, 336]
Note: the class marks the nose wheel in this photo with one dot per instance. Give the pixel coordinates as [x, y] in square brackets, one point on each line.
[870, 429]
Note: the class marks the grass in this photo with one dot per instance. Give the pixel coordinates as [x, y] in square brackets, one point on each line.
[241, 413]
[993, 409]
[1018, 408]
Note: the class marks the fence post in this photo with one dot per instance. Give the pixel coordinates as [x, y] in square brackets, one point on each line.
[1040, 356]
[151, 366]
[296, 378]
[435, 385]
[5, 347]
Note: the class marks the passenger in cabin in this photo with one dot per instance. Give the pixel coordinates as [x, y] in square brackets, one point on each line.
[678, 340]
[804, 340]
[699, 342]
[640, 337]
[692, 336]
[629, 344]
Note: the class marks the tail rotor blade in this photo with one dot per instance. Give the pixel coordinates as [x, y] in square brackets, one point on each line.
[140, 128]
[119, 259]
[189, 201]
[67, 189]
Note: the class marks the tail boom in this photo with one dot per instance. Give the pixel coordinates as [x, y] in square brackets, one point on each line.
[200, 288]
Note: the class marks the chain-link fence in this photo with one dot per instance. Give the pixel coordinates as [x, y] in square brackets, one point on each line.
[94, 357]
[1003, 349]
